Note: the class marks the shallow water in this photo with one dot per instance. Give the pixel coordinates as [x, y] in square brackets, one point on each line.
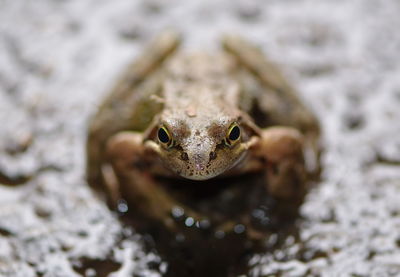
[241, 221]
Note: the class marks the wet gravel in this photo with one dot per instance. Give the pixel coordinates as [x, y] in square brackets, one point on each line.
[59, 58]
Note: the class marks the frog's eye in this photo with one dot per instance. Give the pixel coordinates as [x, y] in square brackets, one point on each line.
[164, 136]
[233, 134]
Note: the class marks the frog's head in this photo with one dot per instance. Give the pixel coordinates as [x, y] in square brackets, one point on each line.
[201, 148]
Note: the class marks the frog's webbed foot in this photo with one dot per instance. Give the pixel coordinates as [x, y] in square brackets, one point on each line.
[134, 167]
[280, 151]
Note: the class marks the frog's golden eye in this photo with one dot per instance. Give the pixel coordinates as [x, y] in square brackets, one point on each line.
[164, 136]
[233, 134]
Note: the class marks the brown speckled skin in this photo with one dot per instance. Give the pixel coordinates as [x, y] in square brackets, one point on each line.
[197, 97]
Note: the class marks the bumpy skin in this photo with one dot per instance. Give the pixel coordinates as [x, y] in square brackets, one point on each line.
[197, 99]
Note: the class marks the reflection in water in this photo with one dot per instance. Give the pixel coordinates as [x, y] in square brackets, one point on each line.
[95, 267]
[241, 220]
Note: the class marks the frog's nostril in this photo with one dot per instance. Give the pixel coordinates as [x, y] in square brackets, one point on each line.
[213, 155]
[184, 156]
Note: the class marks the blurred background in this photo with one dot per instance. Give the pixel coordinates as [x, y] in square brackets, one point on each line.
[58, 59]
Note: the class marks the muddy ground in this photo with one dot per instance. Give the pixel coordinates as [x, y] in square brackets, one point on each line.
[59, 58]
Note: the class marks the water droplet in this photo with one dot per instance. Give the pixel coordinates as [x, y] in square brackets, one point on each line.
[258, 213]
[189, 221]
[122, 206]
[177, 211]
[239, 228]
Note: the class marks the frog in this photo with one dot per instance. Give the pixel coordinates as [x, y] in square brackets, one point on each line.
[199, 116]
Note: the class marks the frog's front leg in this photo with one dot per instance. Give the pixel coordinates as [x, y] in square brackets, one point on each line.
[280, 152]
[135, 167]
[128, 106]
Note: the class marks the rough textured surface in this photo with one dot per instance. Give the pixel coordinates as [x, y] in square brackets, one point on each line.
[59, 58]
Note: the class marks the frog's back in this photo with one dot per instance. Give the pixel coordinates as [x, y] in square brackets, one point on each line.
[202, 80]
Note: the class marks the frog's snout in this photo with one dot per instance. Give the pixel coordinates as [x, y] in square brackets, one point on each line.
[199, 158]
[200, 162]
[200, 167]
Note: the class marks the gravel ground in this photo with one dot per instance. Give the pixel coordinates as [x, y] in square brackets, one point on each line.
[59, 58]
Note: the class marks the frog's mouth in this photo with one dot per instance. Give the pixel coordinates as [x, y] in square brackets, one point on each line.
[202, 160]
[203, 167]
